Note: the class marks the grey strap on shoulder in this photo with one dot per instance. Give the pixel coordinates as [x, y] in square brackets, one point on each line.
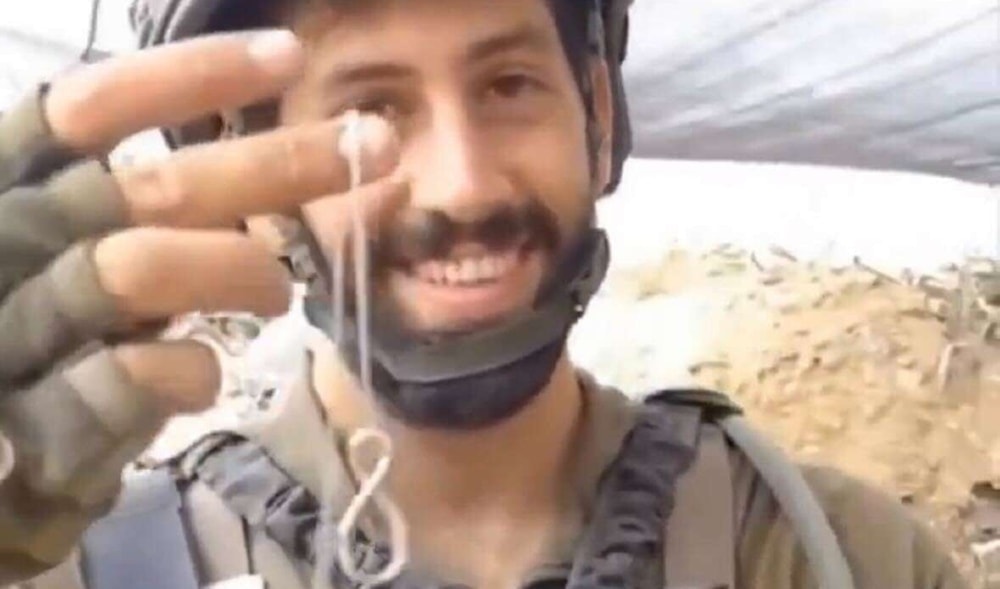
[700, 536]
[218, 535]
[797, 501]
[142, 542]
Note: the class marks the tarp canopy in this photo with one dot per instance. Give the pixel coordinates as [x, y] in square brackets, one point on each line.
[885, 84]
[893, 84]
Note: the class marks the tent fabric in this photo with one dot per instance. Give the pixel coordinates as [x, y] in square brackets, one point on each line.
[885, 84]
[890, 84]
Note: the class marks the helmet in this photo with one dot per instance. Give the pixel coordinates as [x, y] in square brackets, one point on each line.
[474, 379]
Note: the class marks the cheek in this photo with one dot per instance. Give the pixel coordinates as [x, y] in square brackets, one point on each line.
[554, 166]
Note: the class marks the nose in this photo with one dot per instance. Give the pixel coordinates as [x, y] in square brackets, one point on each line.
[455, 167]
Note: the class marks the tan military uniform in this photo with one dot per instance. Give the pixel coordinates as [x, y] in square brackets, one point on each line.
[72, 436]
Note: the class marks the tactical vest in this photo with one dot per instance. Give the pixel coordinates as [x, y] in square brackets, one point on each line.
[664, 516]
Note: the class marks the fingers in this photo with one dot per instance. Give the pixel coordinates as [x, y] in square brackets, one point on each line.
[130, 389]
[150, 273]
[217, 184]
[48, 316]
[171, 263]
[209, 186]
[130, 280]
[96, 107]
[153, 274]
[180, 376]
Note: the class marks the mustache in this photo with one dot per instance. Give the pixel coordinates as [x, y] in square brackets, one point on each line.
[425, 234]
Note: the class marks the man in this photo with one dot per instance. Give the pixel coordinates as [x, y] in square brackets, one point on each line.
[508, 467]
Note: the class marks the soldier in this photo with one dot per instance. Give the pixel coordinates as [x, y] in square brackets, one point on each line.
[502, 465]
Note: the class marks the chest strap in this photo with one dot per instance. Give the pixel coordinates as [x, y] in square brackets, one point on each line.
[798, 503]
[783, 478]
[142, 542]
[701, 536]
[621, 547]
[668, 497]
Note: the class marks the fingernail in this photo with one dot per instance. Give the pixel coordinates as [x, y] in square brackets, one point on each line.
[277, 52]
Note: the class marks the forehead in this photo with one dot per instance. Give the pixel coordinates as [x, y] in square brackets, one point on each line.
[423, 31]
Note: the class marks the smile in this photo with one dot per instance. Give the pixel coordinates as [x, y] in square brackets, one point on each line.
[469, 289]
[468, 271]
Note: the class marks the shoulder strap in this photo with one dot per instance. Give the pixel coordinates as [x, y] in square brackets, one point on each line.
[142, 542]
[218, 535]
[701, 537]
[798, 503]
[783, 478]
[625, 537]
[148, 526]
[278, 514]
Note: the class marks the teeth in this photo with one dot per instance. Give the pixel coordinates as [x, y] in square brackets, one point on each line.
[466, 271]
[452, 273]
[487, 267]
[431, 272]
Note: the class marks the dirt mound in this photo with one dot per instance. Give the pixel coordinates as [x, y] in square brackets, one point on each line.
[894, 380]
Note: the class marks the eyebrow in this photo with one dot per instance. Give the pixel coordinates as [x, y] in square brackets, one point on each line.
[359, 72]
[527, 36]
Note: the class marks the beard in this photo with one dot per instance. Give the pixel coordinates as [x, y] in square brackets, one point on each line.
[478, 375]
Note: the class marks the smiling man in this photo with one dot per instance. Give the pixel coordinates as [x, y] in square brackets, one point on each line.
[490, 130]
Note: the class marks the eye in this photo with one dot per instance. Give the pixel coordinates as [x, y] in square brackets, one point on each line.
[386, 104]
[381, 106]
[511, 86]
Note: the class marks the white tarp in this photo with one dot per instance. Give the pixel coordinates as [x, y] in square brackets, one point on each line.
[895, 84]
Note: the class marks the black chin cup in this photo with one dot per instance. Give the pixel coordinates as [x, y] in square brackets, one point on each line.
[477, 379]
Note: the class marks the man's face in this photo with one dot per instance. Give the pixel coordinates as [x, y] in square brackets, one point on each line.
[493, 142]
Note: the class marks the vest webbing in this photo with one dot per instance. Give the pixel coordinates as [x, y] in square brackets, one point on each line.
[665, 506]
[620, 548]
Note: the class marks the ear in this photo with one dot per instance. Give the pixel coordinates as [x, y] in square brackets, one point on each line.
[603, 109]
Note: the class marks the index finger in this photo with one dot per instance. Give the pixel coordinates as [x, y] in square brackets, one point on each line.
[217, 184]
[99, 105]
